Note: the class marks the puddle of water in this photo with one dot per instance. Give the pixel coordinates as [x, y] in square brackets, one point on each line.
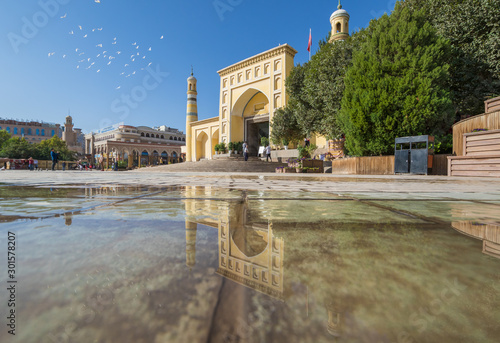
[226, 266]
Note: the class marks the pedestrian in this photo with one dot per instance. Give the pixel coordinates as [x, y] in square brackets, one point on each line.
[64, 166]
[268, 153]
[116, 165]
[35, 163]
[245, 150]
[30, 163]
[53, 157]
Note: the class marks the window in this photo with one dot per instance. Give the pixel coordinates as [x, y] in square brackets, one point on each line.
[7, 129]
[175, 138]
[162, 137]
[38, 132]
[15, 130]
[171, 138]
[22, 131]
[43, 132]
[339, 27]
[157, 136]
[147, 134]
[52, 134]
[142, 134]
[30, 132]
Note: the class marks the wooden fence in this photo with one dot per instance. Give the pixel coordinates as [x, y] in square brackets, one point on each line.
[492, 105]
[490, 121]
[380, 165]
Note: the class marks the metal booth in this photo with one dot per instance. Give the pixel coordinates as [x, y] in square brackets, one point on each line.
[413, 154]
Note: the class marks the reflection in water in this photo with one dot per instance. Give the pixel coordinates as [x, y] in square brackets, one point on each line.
[249, 253]
[488, 232]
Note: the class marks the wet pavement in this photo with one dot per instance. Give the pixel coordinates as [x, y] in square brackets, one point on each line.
[138, 257]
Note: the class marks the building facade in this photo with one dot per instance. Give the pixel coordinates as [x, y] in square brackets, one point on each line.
[139, 146]
[32, 131]
[250, 93]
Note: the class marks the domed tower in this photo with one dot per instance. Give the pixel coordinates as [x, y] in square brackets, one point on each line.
[340, 24]
[68, 135]
[191, 115]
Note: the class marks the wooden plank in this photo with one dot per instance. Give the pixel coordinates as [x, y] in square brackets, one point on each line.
[475, 161]
[483, 136]
[489, 167]
[474, 173]
[480, 153]
[492, 249]
[490, 147]
[483, 142]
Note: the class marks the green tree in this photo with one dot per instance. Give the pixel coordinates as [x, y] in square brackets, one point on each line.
[16, 148]
[473, 29]
[398, 84]
[4, 137]
[284, 126]
[42, 149]
[317, 87]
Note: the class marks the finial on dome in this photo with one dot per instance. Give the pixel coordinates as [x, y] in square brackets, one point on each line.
[339, 6]
[191, 70]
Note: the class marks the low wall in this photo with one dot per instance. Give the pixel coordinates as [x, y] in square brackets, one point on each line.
[381, 165]
[284, 155]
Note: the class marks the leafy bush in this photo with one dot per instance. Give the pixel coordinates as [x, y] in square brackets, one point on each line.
[264, 141]
[306, 151]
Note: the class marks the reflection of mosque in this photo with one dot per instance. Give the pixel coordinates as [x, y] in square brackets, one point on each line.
[249, 253]
[488, 232]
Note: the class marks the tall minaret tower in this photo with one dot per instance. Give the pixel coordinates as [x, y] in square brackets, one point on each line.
[340, 24]
[191, 116]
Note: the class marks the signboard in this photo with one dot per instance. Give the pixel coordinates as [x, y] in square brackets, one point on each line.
[261, 150]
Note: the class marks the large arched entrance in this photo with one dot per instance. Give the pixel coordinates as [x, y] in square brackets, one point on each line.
[202, 146]
[250, 119]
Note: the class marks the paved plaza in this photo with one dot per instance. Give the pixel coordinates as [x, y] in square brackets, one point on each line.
[408, 186]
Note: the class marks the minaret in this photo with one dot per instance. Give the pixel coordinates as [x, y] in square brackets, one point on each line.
[340, 24]
[191, 115]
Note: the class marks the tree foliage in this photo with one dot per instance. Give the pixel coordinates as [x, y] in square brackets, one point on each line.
[16, 148]
[317, 87]
[473, 29]
[20, 148]
[398, 84]
[285, 128]
[42, 149]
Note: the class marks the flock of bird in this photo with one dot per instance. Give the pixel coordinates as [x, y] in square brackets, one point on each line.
[107, 53]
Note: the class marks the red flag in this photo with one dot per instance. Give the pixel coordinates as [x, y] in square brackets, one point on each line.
[310, 41]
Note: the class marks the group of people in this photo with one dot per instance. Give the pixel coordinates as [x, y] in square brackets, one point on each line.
[267, 151]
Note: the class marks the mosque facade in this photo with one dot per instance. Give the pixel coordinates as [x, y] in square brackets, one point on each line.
[250, 93]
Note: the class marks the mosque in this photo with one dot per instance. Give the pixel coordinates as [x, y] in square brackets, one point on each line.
[250, 93]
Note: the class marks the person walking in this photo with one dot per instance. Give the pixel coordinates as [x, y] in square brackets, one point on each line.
[54, 156]
[30, 163]
[35, 163]
[268, 153]
[245, 150]
[64, 166]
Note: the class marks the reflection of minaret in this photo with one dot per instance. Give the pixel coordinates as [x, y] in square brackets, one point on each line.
[334, 324]
[68, 218]
[191, 243]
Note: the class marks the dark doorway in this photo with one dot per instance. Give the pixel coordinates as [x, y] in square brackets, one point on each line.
[256, 128]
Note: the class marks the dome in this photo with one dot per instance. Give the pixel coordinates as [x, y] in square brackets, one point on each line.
[192, 78]
[340, 13]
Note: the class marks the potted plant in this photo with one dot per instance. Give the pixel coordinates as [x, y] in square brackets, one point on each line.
[231, 147]
[217, 148]
[222, 147]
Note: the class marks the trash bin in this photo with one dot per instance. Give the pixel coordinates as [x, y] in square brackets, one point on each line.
[413, 154]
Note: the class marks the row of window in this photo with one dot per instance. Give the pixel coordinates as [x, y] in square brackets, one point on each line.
[162, 137]
[248, 73]
[38, 132]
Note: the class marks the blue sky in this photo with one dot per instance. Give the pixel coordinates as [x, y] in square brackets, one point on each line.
[49, 65]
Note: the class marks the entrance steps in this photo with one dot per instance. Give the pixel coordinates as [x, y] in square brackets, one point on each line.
[253, 165]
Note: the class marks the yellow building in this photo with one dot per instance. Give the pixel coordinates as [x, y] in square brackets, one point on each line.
[250, 93]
